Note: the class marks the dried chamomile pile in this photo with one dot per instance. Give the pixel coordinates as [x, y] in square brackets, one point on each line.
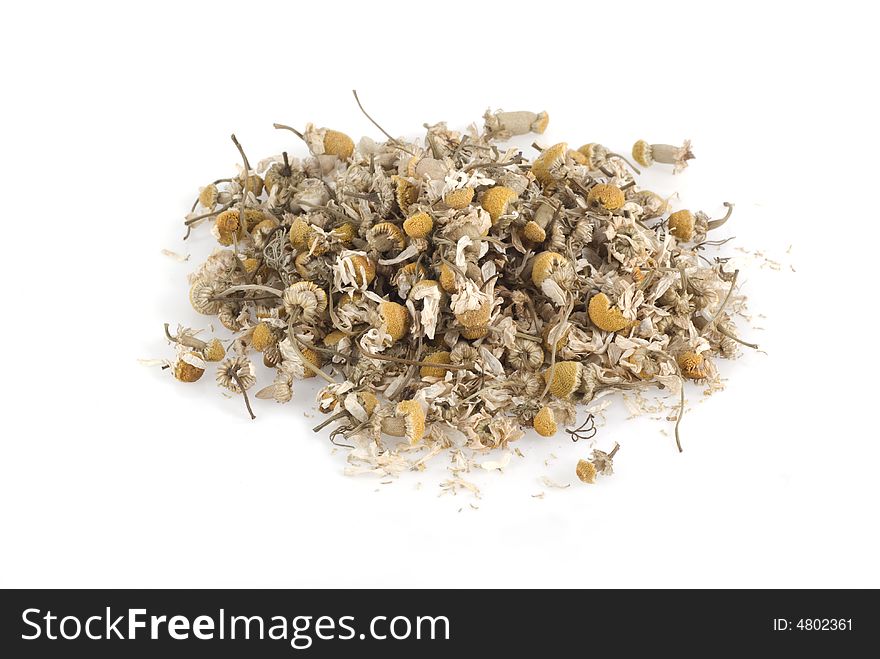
[451, 292]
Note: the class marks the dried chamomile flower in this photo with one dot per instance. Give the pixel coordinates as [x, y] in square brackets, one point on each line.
[407, 193]
[472, 309]
[545, 165]
[545, 422]
[408, 421]
[232, 316]
[203, 296]
[586, 471]
[304, 301]
[447, 278]
[647, 154]
[595, 154]
[262, 337]
[525, 355]
[189, 367]
[357, 269]
[464, 354]
[344, 233]
[394, 318]
[545, 264]
[681, 225]
[606, 196]
[314, 358]
[334, 338]
[459, 199]
[564, 378]
[504, 125]
[604, 316]
[237, 374]
[418, 225]
[325, 141]
[429, 295]
[263, 230]
[496, 201]
[228, 228]
[534, 232]
[386, 236]
[437, 357]
[368, 401]
[208, 196]
[604, 462]
[652, 204]
[426, 169]
[214, 351]
[282, 176]
[253, 184]
[692, 365]
[281, 390]
[299, 233]
[407, 277]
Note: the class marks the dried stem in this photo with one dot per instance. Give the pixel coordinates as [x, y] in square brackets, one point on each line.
[244, 394]
[680, 412]
[328, 421]
[384, 132]
[221, 298]
[733, 337]
[291, 129]
[253, 287]
[247, 166]
[309, 365]
[631, 166]
[244, 190]
[714, 224]
[204, 216]
[587, 430]
[723, 304]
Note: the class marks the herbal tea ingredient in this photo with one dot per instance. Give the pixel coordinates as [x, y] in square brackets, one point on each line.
[450, 292]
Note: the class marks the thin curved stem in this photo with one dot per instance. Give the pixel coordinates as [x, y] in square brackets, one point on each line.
[714, 224]
[247, 402]
[291, 129]
[733, 337]
[247, 166]
[252, 287]
[329, 420]
[244, 191]
[680, 412]
[205, 216]
[723, 304]
[306, 362]
[611, 154]
[373, 121]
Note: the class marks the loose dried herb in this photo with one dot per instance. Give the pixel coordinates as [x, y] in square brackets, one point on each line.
[451, 292]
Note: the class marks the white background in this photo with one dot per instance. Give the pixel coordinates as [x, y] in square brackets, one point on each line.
[112, 474]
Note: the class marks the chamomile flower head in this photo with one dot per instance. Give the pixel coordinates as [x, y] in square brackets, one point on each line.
[564, 378]
[604, 316]
[545, 422]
